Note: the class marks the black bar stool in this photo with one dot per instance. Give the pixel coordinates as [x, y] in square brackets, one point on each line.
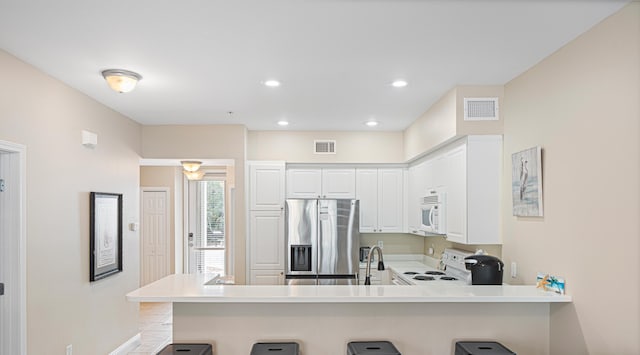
[481, 348]
[371, 348]
[290, 348]
[187, 349]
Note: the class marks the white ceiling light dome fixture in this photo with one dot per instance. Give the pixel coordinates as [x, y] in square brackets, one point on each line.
[371, 123]
[121, 80]
[399, 83]
[190, 169]
[272, 83]
[283, 123]
[191, 165]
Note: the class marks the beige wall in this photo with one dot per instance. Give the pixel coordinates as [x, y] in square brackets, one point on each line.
[351, 147]
[439, 243]
[63, 306]
[163, 176]
[444, 121]
[207, 142]
[433, 128]
[581, 105]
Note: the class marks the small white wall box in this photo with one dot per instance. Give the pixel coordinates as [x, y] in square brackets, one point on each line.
[89, 139]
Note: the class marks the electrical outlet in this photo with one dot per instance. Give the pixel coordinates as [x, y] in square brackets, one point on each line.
[514, 269]
[380, 244]
[69, 349]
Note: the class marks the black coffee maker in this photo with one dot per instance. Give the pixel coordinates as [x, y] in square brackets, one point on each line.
[485, 269]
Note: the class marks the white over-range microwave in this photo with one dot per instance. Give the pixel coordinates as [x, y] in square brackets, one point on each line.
[432, 212]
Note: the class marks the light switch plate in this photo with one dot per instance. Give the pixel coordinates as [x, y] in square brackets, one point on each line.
[514, 269]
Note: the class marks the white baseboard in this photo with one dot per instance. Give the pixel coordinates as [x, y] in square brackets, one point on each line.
[128, 346]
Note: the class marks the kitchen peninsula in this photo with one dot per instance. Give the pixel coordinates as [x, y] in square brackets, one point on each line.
[323, 319]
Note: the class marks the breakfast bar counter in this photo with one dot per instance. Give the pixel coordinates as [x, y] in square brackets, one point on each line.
[418, 320]
[194, 289]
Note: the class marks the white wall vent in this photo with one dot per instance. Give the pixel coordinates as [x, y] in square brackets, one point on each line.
[324, 147]
[481, 109]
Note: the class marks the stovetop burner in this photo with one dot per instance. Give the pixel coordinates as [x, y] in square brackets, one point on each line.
[410, 273]
[434, 272]
[448, 278]
[424, 278]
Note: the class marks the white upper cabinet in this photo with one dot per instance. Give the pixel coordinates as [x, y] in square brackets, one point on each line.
[338, 183]
[420, 179]
[304, 183]
[380, 192]
[267, 186]
[321, 183]
[456, 194]
[473, 175]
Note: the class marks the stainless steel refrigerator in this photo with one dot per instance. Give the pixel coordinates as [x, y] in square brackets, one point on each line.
[323, 242]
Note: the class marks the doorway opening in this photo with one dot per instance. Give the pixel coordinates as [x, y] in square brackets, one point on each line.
[13, 255]
[208, 226]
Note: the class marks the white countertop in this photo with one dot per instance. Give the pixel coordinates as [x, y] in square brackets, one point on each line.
[192, 288]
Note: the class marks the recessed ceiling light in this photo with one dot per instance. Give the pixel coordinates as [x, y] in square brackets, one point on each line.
[283, 123]
[272, 83]
[371, 123]
[399, 84]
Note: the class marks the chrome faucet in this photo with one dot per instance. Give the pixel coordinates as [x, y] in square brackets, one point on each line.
[367, 279]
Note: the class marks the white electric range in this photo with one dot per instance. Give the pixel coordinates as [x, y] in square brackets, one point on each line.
[452, 270]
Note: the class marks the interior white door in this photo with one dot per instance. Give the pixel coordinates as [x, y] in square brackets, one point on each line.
[12, 249]
[156, 257]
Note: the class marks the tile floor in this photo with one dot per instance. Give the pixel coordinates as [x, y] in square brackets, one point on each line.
[155, 328]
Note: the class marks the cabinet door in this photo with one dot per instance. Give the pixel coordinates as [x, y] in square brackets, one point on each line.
[456, 194]
[420, 179]
[438, 168]
[484, 171]
[390, 201]
[266, 238]
[338, 183]
[367, 194]
[267, 277]
[304, 183]
[266, 185]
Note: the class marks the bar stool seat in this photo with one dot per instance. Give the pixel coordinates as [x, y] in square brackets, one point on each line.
[481, 348]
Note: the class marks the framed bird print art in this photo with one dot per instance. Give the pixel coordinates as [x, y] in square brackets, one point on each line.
[526, 182]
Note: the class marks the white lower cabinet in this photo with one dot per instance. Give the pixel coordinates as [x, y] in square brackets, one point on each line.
[380, 192]
[267, 277]
[266, 245]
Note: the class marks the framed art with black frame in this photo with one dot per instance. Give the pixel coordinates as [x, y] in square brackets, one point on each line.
[105, 249]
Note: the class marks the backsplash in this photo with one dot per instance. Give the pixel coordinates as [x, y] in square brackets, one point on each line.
[440, 243]
[403, 243]
[395, 243]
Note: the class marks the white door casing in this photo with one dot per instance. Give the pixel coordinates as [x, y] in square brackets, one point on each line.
[156, 238]
[13, 263]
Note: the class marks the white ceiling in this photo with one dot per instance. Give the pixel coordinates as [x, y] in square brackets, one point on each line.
[335, 58]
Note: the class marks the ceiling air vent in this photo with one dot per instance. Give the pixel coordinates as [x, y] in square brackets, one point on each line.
[481, 109]
[324, 147]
